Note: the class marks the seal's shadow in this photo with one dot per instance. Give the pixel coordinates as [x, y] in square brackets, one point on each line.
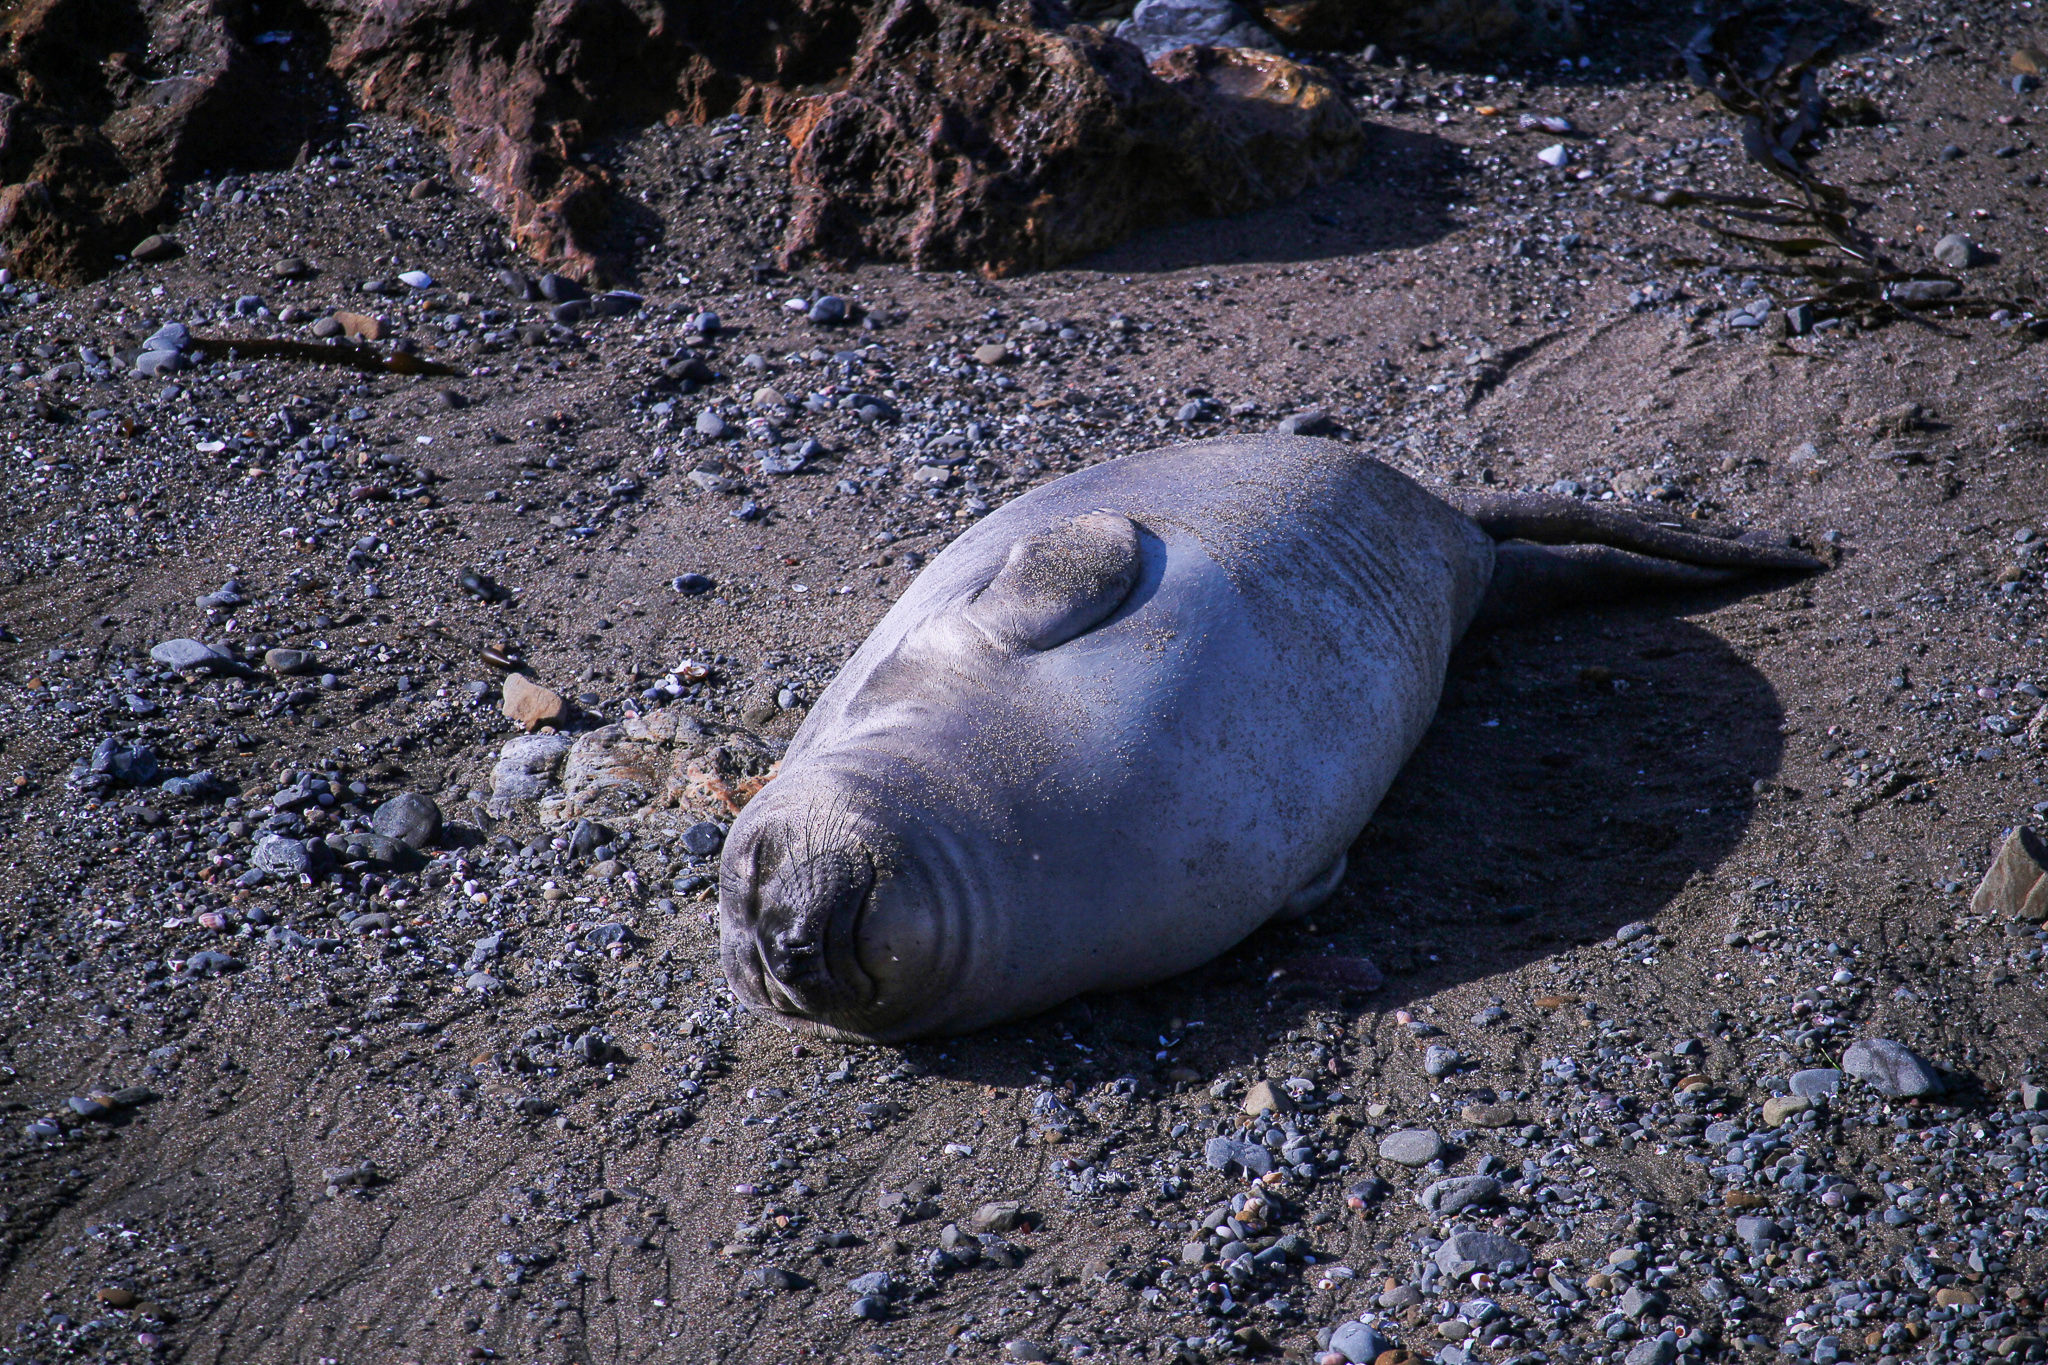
[1581, 770]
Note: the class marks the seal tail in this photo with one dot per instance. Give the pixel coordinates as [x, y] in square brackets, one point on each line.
[1558, 551]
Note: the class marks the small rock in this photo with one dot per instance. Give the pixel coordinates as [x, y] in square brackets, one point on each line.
[409, 817]
[1307, 422]
[703, 839]
[1655, 1351]
[190, 656]
[1463, 1253]
[1438, 1060]
[1958, 252]
[1779, 1108]
[531, 705]
[1005, 1215]
[1814, 1082]
[1890, 1068]
[289, 663]
[829, 309]
[992, 353]
[360, 326]
[1411, 1147]
[1358, 1343]
[2017, 884]
[1757, 1232]
[775, 1277]
[1222, 1152]
[1458, 1192]
[1555, 155]
[1489, 1115]
[1021, 1349]
[1267, 1098]
[156, 247]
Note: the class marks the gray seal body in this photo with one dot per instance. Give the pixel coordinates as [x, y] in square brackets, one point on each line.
[1110, 731]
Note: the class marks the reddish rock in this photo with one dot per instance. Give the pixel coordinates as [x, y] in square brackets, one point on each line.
[994, 141]
[990, 134]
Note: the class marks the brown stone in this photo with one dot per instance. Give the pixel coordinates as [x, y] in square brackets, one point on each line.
[115, 1297]
[360, 327]
[1951, 1296]
[1005, 1215]
[2031, 61]
[1489, 1115]
[994, 353]
[532, 705]
[1743, 1199]
[2017, 884]
[155, 247]
[1267, 1098]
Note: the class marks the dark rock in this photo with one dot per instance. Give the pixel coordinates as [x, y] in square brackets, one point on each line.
[410, 818]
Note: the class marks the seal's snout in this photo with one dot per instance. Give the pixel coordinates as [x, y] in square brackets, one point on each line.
[805, 929]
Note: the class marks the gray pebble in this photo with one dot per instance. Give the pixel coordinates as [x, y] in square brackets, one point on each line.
[703, 839]
[1465, 1252]
[409, 817]
[1411, 1147]
[1222, 1152]
[1458, 1192]
[1815, 1082]
[1358, 1343]
[1439, 1060]
[1890, 1068]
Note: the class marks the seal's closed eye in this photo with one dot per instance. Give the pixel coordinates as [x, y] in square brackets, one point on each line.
[1060, 582]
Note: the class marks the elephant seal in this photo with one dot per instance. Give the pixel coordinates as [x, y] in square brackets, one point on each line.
[1128, 718]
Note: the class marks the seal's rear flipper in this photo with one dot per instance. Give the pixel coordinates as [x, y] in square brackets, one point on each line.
[1530, 580]
[1557, 551]
[1548, 520]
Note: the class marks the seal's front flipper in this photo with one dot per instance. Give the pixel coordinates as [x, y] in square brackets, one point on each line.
[1315, 893]
[1060, 582]
[1530, 580]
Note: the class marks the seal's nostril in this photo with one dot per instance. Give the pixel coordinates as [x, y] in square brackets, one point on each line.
[805, 928]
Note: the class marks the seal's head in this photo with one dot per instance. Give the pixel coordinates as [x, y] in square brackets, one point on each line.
[830, 918]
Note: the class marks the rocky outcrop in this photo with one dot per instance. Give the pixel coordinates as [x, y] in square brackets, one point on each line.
[106, 105]
[1002, 142]
[990, 134]
[1457, 26]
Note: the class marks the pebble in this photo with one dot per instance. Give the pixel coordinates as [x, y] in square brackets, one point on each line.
[1307, 422]
[1023, 1349]
[703, 839]
[1411, 1147]
[1757, 1232]
[1439, 1060]
[416, 279]
[992, 353]
[1814, 1082]
[1462, 1253]
[829, 309]
[156, 247]
[1222, 1152]
[1358, 1343]
[713, 426]
[1555, 155]
[1489, 1115]
[1958, 252]
[1454, 1193]
[1267, 1098]
[1890, 1068]
[411, 818]
[289, 663]
[1778, 1108]
[529, 704]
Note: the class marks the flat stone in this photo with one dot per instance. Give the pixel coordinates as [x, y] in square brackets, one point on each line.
[1004, 1215]
[1815, 1082]
[1655, 1351]
[289, 663]
[1465, 1252]
[1489, 1115]
[1958, 252]
[993, 353]
[531, 705]
[1307, 422]
[1223, 1152]
[190, 656]
[156, 247]
[1757, 1232]
[2017, 884]
[1455, 1193]
[1890, 1068]
[1411, 1147]
[360, 326]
